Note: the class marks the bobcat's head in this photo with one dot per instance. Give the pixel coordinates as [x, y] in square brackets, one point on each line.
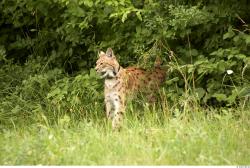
[107, 65]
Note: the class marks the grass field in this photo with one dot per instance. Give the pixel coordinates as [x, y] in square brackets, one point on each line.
[191, 139]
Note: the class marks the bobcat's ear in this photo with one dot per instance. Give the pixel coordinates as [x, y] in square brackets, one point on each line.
[110, 52]
[100, 53]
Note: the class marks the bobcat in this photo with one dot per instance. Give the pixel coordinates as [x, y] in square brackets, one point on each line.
[121, 83]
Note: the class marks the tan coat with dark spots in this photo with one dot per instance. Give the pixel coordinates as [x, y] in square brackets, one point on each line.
[121, 83]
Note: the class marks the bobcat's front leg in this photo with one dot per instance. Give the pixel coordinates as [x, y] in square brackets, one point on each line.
[119, 110]
[109, 106]
[108, 109]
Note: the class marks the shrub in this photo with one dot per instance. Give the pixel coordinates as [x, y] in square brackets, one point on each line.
[48, 47]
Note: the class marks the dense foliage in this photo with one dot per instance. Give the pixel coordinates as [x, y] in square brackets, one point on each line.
[48, 49]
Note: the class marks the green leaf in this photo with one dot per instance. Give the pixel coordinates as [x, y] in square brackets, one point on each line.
[124, 16]
[221, 66]
[220, 96]
[231, 99]
[138, 14]
[171, 81]
[236, 39]
[88, 3]
[54, 93]
[194, 52]
[200, 92]
[244, 92]
[247, 38]
[229, 34]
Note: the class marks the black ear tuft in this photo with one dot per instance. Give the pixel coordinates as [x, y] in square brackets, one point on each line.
[109, 52]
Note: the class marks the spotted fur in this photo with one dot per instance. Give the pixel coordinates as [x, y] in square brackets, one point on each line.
[122, 83]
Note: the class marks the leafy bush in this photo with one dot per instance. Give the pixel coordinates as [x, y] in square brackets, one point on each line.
[48, 47]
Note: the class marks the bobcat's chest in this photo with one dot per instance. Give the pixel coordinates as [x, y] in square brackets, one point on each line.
[112, 89]
[114, 85]
[111, 84]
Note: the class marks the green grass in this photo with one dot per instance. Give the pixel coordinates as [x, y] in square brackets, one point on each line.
[193, 139]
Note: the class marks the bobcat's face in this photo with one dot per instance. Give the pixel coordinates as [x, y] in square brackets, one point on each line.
[107, 65]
